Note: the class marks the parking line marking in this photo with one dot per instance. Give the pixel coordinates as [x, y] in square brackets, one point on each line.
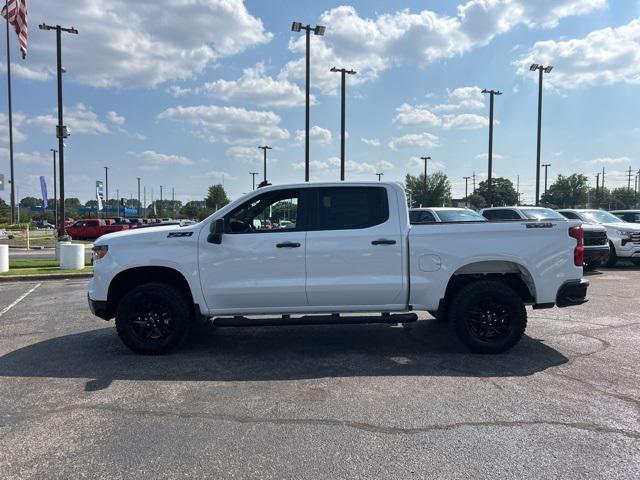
[22, 297]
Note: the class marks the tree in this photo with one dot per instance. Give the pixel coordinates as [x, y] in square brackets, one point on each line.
[476, 201]
[195, 209]
[216, 197]
[72, 203]
[91, 204]
[28, 202]
[567, 191]
[5, 212]
[438, 190]
[503, 192]
[623, 198]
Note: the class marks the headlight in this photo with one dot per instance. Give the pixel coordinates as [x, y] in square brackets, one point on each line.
[624, 233]
[99, 251]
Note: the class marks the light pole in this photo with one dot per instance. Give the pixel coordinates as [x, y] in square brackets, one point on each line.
[466, 189]
[343, 73]
[61, 129]
[491, 93]
[317, 30]
[426, 159]
[106, 191]
[139, 210]
[253, 179]
[264, 149]
[546, 167]
[55, 190]
[379, 176]
[541, 69]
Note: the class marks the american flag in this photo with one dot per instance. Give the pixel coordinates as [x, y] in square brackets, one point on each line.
[16, 12]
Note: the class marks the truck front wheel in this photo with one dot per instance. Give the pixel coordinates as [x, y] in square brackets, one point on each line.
[153, 318]
[488, 316]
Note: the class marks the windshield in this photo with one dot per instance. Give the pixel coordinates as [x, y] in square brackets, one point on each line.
[460, 216]
[599, 216]
[541, 214]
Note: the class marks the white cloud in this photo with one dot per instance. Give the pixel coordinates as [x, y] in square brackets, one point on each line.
[146, 42]
[316, 134]
[113, 117]
[229, 124]
[372, 45]
[485, 156]
[245, 154]
[465, 121]
[608, 160]
[18, 120]
[222, 175]
[384, 165]
[151, 160]
[23, 71]
[426, 140]
[603, 57]
[333, 164]
[79, 119]
[462, 98]
[32, 158]
[415, 115]
[418, 163]
[374, 142]
[256, 88]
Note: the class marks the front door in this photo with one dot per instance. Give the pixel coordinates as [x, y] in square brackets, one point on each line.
[259, 266]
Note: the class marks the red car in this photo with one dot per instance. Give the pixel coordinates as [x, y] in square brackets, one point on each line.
[93, 228]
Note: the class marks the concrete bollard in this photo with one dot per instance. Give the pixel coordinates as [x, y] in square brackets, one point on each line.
[4, 258]
[58, 247]
[71, 256]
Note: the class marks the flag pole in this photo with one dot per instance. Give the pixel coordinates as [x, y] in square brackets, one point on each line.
[13, 183]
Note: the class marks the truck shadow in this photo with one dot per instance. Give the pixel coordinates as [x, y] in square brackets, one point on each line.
[426, 348]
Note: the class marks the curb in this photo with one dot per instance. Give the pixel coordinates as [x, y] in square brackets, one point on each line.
[39, 278]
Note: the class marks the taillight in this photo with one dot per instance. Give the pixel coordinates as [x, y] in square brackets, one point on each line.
[578, 251]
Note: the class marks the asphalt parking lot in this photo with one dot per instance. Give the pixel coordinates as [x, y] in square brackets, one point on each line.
[319, 402]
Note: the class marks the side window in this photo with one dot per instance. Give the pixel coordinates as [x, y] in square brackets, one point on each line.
[272, 211]
[492, 214]
[421, 216]
[342, 208]
[570, 215]
[510, 215]
[80, 224]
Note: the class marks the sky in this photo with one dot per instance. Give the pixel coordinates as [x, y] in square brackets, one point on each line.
[182, 92]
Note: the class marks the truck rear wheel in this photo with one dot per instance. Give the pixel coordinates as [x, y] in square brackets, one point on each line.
[488, 316]
[613, 258]
[153, 318]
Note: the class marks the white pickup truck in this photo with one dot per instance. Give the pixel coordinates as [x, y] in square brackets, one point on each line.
[330, 253]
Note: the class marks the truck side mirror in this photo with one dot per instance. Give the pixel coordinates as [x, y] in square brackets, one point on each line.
[215, 231]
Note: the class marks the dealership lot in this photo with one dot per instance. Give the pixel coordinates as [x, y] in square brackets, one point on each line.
[320, 402]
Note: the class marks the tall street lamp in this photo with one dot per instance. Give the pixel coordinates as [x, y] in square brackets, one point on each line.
[466, 188]
[317, 30]
[106, 191]
[546, 167]
[541, 69]
[343, 73]
[426, 159]
[55, 190]
[379, 176]
[253, 179]
[138, 211]
[491, 93]
[61, 129]
[264, 149]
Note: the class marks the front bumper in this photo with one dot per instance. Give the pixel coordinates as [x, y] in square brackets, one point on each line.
[573, 292]
[596, 254]
[99, 308]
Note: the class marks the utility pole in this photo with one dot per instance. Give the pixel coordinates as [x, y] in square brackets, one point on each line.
[343, 73]
[139, 205]
[540, 69]
[597, 188]
[11, 170]
[264, 149]
[55, 190]
[517, 190]
[473, 177]
[379, 176]
[61, 129]
[144, 202]
[630, 174]
[466, 188]
[106, 191]
[426, 159]
[317, 30]
[253, 179]
[546, 167]
[491, 93]
[160, 196]
[118, 200]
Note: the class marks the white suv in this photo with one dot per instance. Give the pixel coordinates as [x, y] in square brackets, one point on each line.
[624, 237]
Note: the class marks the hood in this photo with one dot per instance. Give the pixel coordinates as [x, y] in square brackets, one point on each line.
[593, 227]
[623, 226]
[142, 234]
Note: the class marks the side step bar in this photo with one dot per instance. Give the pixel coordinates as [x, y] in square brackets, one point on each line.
[334, 319]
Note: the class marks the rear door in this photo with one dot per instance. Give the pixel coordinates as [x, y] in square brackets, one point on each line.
[354, 248]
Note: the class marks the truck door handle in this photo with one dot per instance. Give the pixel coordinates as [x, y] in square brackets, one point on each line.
[288, 245]
[383, 241]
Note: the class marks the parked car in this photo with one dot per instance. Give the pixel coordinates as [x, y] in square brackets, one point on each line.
[4, 234]
[43, 224]
[444, 214]
[353, 250]
[623, 237]
[596, 245]
[93, 228]
[631, 216]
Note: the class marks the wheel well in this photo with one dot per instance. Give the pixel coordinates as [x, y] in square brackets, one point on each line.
[126, 280]
[511, 274]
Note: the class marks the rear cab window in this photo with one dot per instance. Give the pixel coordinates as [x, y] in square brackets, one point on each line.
[421, 216]
[345, 208]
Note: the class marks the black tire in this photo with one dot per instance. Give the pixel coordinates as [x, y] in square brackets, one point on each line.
[488, 316]
[153, 318]
[636, 261]
[613, 258]
[591, 266]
